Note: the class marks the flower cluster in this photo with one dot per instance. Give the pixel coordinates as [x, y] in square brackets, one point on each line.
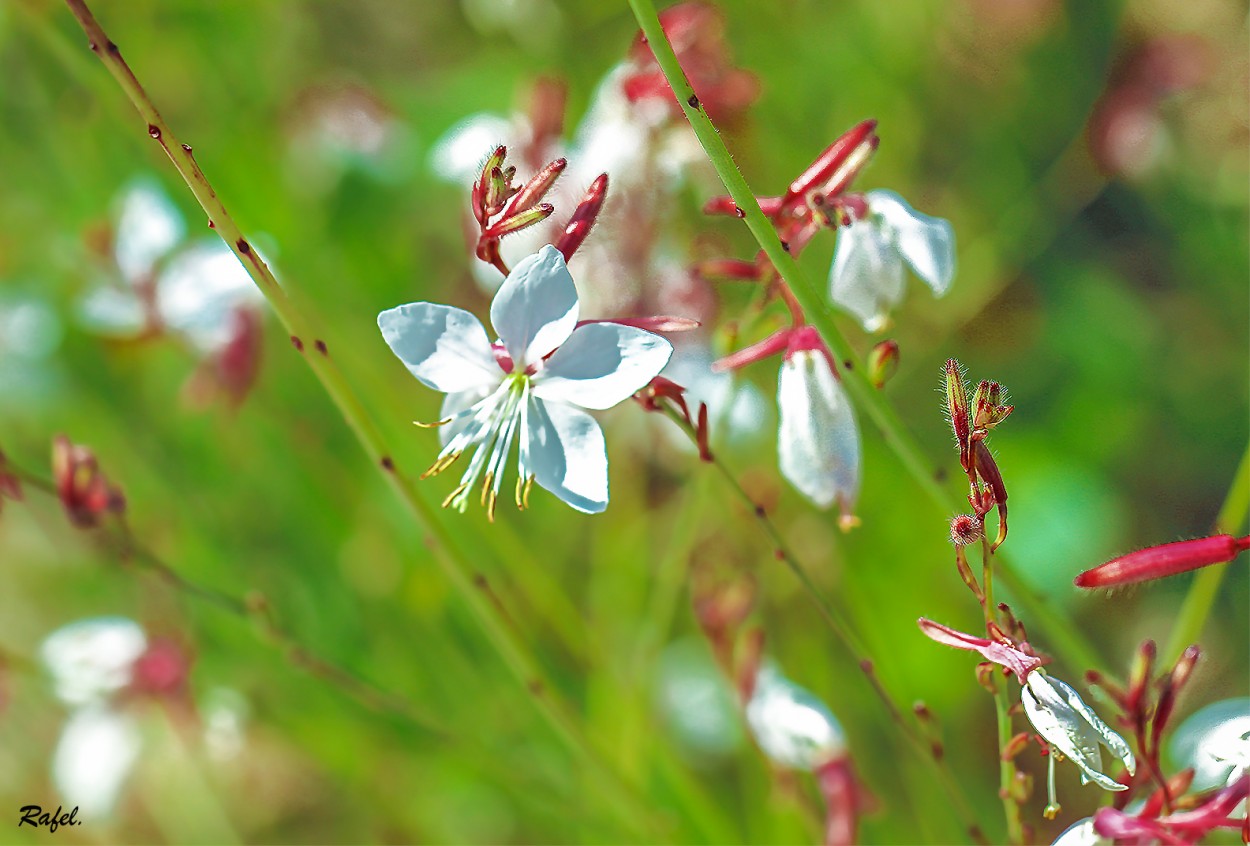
[878, 234]
[972, 421]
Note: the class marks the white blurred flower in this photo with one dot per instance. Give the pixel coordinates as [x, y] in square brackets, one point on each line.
[190, 289]
[1215, 741]
[534, 381]
[95, 754]
[1072, 728]
[817, 437]
[866, 278]
[792, 727]
[92, 659]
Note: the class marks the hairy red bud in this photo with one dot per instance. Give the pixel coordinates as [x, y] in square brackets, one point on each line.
[1168, 559]
[584, 217]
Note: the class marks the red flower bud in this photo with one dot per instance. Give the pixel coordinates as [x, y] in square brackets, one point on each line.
[84, 490]
[834, 169]
[882, 362]
[1155, 562]
[584, 217]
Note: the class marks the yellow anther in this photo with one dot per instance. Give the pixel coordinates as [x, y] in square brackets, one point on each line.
[451, 497]
[440, 465]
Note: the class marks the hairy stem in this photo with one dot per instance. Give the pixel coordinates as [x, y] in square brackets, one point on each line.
[820, 315]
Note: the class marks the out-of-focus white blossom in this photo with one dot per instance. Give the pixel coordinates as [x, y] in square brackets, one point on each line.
[791, 726]
[1215, 741]
[90, 660]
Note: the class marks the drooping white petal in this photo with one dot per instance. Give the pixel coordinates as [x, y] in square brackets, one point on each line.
[817, 439]
[1049, 705]
[453, 405]
[536, 308]
[792, 726]
[97, 749]
[602, 364]
[926, 243]
[866, 277]
[149, 227]
[199, 291]
[566, 454]
[445, 347]
[90, 659]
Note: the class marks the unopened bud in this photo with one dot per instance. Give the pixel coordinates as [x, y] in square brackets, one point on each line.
[987, 406]
[538, 186]
[1139, 674]
[482, 187]
[1156, 562]
[834, 169]
[985, 676]
[987, 469]
[728, 270]
[584, 217]
[85, 492]
[957, 408]
[1172, 685]
[517, 222]
[1016, 745]
[882, 362]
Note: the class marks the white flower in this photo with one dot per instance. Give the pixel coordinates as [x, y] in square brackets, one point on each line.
[97, 750]
[866, 278]
[1072, 728]
[1215, 741]
[529, 385]
[817, 438]
[791, 726]
[91, 659]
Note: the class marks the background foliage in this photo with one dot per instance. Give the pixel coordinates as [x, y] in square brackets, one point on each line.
[1102, 279]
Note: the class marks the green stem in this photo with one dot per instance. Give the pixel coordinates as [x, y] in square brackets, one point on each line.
[812, 299]
[1007, 771]
[1206, 585]
[309, 341]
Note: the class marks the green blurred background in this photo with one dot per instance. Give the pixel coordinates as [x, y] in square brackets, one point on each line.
[1093, 160]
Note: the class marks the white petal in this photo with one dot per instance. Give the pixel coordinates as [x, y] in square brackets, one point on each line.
[602, 364]
[90, 659]
[445, 347]
[792, 726]
[866, 278]
[926, 243]
[1047, 703]
[148, 228]
[566, 454]
[1215, 741]
[536, 308]
[817, 440]
[97, 749]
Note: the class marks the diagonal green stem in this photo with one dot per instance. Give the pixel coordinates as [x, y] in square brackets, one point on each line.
[1060, 629]
[1206, 585]
[309, 341]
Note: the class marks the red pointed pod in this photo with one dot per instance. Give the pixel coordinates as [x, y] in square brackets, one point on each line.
[1168, 559]
[822, 172]
[584, 217]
